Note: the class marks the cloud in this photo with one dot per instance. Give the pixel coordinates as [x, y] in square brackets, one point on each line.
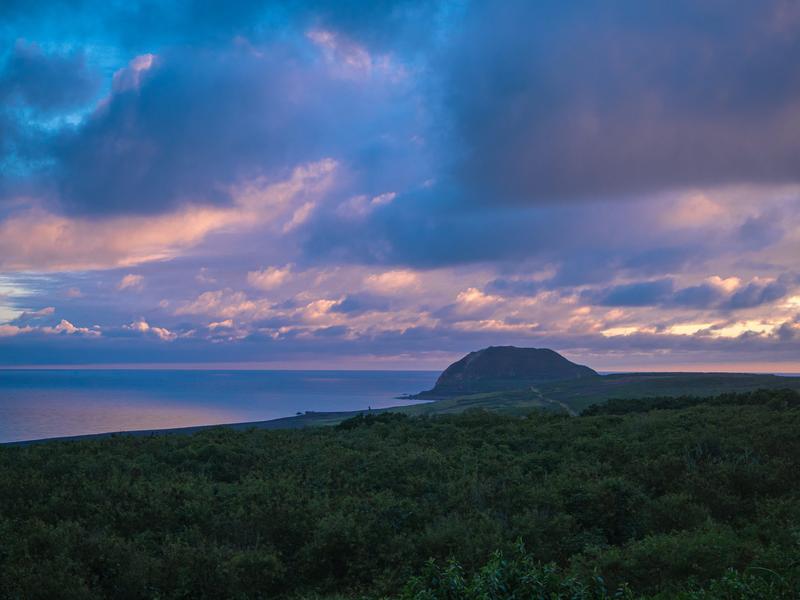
[132, 27]
[130, 77]
[63, 327]
[46, 82]
[646, 293]
[554, 101]
[67, 328]
[35, 239]
[203, 276]
[703, 295]
[269, 278]
[405, 178]
[187, 126]
[131, 281]
[790, 330]
[361, 205]
[226, 324]
[757, 293]
[515, 286]
[225, 304]
[392, 282]
[715, 292]
[11, 330]
[35, 314]
[39, 240]
[143, 327]
[354, 304]
[299, 216]
[471, 303]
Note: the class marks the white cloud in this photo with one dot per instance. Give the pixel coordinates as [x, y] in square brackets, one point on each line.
[130, 77]
[131, 282]
[269, 278]
[299, 216]
[360, 206]
[144, 327]
[68, 328]
[203, 276]
[318, 309]
[350, 60]
[473, 298]
[728, 284]
[12, 330]
[225, 304]
[695, 210]
[390, 282]
[64, 327]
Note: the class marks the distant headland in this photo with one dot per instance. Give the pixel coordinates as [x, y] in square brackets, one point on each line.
[498, 368]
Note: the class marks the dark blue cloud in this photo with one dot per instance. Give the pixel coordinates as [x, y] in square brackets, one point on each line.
[35, 87]
[201, 122]
[762, 231]
[555, 100]
[354, 304]
[646, 293]
[145, 25]
[238, 91]
[528, 101]
[514, 287]
[755, 294]
[699, 296]
[662, 292]
[47, 82]
[335, 331]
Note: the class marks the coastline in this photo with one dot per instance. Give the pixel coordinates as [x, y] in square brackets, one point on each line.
[308, 419]
[569, 397]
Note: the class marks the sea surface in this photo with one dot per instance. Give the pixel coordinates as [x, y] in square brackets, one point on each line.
[37, 404]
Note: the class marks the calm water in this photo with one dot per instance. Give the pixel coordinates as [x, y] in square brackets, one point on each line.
[39, 404]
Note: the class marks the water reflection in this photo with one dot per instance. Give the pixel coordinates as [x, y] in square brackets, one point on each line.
[39, 404]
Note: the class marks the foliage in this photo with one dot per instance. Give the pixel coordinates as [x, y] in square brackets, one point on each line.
[695, 500]
[778, 399]
[516, 576]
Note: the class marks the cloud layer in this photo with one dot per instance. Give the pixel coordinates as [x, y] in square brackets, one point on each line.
[399, 183]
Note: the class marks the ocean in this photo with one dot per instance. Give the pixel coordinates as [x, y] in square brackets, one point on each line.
[37, 404]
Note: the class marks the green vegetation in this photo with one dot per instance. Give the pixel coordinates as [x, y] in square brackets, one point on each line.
[685, 498]
[577, 394]
[573, 396]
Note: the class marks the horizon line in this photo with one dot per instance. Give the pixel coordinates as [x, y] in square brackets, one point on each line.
[217, 366]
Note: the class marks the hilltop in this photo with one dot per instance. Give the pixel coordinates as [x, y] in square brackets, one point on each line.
[499, 368]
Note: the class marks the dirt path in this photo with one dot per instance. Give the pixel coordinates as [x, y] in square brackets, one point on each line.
[566, 407]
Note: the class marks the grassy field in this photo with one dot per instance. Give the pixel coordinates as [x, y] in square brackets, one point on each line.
[573, 396]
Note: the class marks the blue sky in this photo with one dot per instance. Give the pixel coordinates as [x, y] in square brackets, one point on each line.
[392, 184]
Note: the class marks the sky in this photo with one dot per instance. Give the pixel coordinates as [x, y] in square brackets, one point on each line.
[391, 184]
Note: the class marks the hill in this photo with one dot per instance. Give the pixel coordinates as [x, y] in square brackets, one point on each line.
[499, 368]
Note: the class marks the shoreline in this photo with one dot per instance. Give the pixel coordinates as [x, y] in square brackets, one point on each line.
[569, 396]
[308, 419]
